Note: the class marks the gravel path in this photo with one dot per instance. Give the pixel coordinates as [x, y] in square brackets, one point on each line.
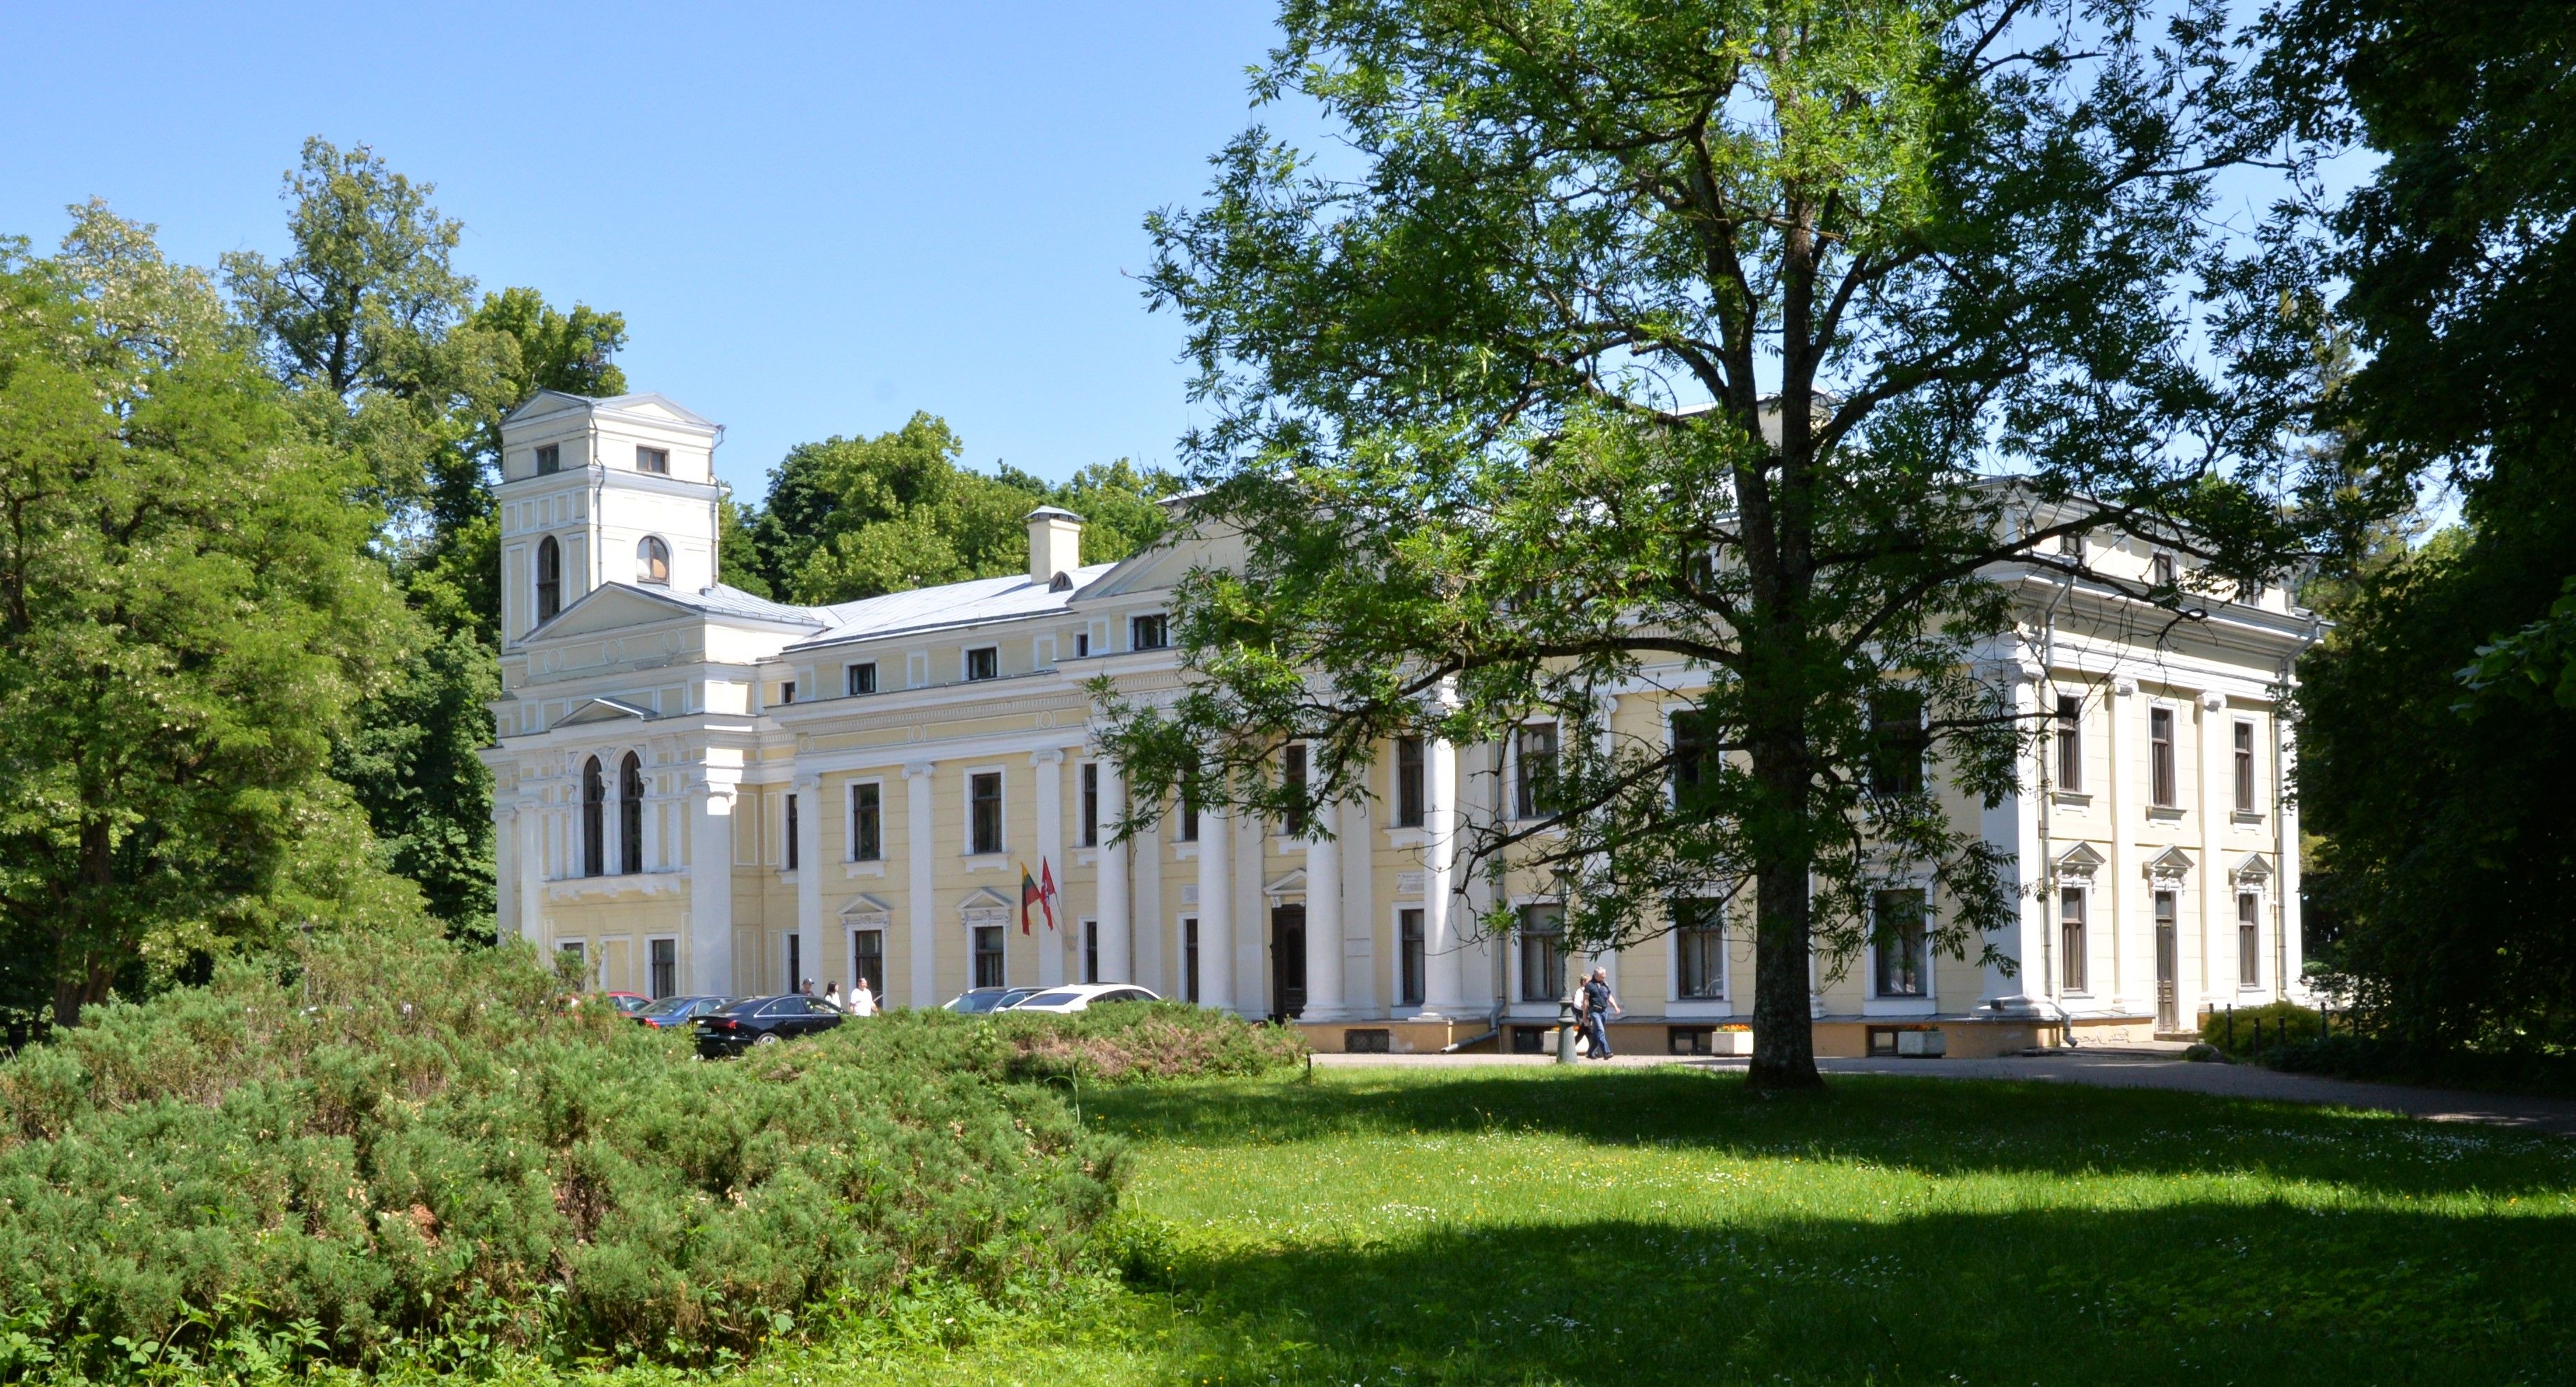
[2118, 1068]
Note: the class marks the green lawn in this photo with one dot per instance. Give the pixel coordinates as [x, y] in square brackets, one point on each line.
[1532, 1226]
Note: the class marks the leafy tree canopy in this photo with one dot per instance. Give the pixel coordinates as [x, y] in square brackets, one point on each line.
[1498, 414]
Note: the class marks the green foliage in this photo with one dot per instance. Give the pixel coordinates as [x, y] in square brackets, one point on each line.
[1499, 418]
[2233, 1031]
[1121, 1042]
[186, 622]
[395, 1141]
[857, 517]
[410, 761]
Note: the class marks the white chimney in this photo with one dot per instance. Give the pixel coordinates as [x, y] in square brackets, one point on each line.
[1055, 543]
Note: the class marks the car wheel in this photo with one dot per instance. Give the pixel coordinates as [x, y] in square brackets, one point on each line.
[766, 1040]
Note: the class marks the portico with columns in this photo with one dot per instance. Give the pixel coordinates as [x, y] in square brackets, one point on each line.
[858, 788]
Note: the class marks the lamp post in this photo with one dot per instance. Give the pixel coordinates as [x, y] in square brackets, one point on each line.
[1565, 1030]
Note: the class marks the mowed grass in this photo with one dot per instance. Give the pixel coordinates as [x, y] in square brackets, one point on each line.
[1537, 1226]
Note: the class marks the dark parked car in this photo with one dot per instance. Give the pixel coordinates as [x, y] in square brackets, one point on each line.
[677, 1011]
[763, 1021]
[628, 1003]
[984, 1001]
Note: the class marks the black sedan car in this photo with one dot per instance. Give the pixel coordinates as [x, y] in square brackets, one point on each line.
[670, 1012]
[763, 1021]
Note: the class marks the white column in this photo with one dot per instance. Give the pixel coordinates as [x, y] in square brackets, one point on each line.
[2289, 949]
[505, 871]
[1324, 916]
[1476, 803]
[1360, 915]
[1145, 909]
[2011, 828]
[1112, 906]
[1049, 762]
[2217, 883]
[711, 804]
[1440, 984]
[651, 809]
[916, 837]
[1216, 911]
[809, 878]
[2110, 907]
[530, 881]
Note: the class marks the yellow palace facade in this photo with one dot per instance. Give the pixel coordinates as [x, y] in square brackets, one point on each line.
[700, 791]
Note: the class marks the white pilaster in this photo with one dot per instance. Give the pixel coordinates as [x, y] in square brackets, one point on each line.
[505, 871]
[711, 805]
[2217, 804]
[1324, 915]
[530, 882]
[809, 878]
[2288, 945]
[2132, 978]
[1216, 910]
[2011, 828]
[1113, 909]
[1049, 762]
[1440, 983]
[924, 932]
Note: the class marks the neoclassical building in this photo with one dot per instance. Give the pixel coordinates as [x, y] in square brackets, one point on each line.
[701, 791]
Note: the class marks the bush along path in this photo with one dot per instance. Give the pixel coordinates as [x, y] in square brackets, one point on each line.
[380, 1144]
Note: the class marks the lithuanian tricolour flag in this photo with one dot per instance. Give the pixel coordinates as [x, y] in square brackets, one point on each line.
[1029, 896]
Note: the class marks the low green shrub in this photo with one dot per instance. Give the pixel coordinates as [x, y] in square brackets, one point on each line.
[393, 1141]
[1117, 1043]
[2271, 1025]
[2386, 1060]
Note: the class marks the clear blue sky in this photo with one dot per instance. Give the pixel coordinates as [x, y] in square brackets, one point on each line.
[816, 218]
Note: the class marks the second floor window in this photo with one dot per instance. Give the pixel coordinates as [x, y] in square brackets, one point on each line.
[1292, 776]
[984, 811]
[2160, 758]
[2070, 742]
[1534, 779]
[859, 679]
[2160, 570]
[792, 835]
[1897, 742]
[1091, 804]
[1408, 782]
[652, 562]
[984, 662]
[549, 459]
[1694, 753]
[867, 822]
[2245, 768]
[1148, 632]
[656, 460]
[549, 578]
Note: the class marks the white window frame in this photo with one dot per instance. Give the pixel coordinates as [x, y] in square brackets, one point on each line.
[1134, 618]
[1511, 770]
[661, 455]
[1905, 1004]
[966, 663]
[966, 821]
[2173, 720]
[1401, 1008]
[679, 966]
[2261, 895]
[850, 819]
[849, 671]
[1517, 1005]
[1723, 1004]
[2083, 889]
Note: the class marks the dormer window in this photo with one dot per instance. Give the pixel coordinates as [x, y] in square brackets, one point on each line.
[984, 662]
[1149, 632]
[655, 460]
[652, 562]
[549, 459]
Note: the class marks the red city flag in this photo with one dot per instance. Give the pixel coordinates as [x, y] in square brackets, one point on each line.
[1046, 891]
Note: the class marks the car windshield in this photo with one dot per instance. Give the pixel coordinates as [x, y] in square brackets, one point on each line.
[1051, 999]
[668, 1006]
[746, 1006]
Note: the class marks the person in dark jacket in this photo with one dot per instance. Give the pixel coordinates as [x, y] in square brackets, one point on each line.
[1598, 1002]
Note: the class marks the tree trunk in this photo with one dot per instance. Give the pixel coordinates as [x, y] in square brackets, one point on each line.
[1784, 1037]
[83, 973]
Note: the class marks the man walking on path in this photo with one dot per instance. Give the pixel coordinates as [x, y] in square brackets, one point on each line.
[1598, 1001]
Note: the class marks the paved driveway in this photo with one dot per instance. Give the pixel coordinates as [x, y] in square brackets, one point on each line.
[2122, 1068]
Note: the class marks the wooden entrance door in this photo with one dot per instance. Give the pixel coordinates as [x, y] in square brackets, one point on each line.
[1288, 960]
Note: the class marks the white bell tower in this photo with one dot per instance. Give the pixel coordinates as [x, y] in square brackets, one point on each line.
[600, 491]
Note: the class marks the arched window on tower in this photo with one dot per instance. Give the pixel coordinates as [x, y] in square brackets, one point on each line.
[594, 809]
[549, 578]
[630, 815]
[652, 561]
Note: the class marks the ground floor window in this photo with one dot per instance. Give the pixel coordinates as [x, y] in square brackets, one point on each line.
[867, 960]
[2249, 940]
[1699, 949]
[1190, 958]
[664, 957]
[1689, 1040]
[1542, 936]
[1408, 929]
[1897, 924]
[988, 955]
[795, 961]
[573, 957]
[2070, 938]
[1091, 951]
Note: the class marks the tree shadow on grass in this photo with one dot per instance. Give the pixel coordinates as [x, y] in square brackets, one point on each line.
[2197, 1293]
[1931, 1126]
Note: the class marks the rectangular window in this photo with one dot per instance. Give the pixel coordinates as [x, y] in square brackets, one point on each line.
[1149, 632]
[1694, 753]
[2245, 768]
[1897, 742]
[2160, 757]
[1091, 804]
[2071, 544]
[984, 811]
[867, 961]
[859, 679]
[867, 822]
[1292, 776]
[787, 692]
[795, 962]
[1408, 931]
[2249, 940]
[1534, 770]
[1408, 782]
[1541, 937]
[988, 955]
[984, 662]
[663, 956]
[1188, 832]
[1699, 946]
[2070, 742]
[1081, 644]
[656, 460]
[2160, 570]
[1091, 951]
[549, 459]
[792, 835]
[1897, 924]
[2070, 937]
[1190, 958]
